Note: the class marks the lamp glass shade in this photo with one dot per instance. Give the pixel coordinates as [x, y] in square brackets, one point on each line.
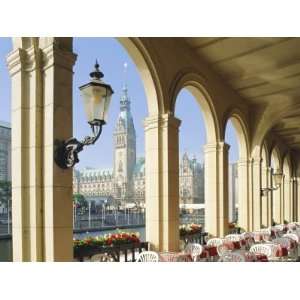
[96, 97]
[277, 178]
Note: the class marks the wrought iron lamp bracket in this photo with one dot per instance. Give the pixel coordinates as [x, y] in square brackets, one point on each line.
[66, 152]
[264, 191]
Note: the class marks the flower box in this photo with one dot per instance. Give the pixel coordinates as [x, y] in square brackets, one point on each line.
[112, 244]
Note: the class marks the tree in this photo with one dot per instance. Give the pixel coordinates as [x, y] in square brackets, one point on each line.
[5, 193]
[79, 200]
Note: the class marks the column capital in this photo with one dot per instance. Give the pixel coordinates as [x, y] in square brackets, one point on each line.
[15, 61]
[214, 147]
[161, 121]
[243, 161]
[53, 54]
[256, 159]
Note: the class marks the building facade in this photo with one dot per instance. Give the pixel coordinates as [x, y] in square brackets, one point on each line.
[125, 182]
[191, 181]
[5, 151]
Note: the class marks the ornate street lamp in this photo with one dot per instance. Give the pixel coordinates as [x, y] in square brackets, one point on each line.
[277, 177]
[96, 97]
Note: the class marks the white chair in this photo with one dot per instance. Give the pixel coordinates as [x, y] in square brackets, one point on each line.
[232, 257]
[249, 238]
[274, 248]
[266, 235]
[215, 242]
[246, 235]
[258, 236]
[194, 249]
[101, 258]
[223, 249]
[262, 249]
[292, 226]
[285, 242]
[294, 237]
[280, 227]
[233, 237]
[279, 230]
[148, 256]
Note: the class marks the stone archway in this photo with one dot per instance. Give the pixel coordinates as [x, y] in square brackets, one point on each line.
[245, 208]
[43, 68]
[215, 153]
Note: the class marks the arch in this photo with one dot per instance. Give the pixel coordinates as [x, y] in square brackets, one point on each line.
[265, 155]
[195, 84]
[145, 65]
[276, 161]
[264, 125]
[238, 120]
[287, 166]
[277, 203]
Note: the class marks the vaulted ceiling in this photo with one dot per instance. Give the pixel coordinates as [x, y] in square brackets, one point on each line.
[263, 71]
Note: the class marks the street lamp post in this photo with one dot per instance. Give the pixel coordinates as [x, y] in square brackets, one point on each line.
[8, 217]
[96, 99]
[277, 177]
[90, 214]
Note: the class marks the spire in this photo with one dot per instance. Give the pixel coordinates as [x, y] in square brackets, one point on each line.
[125, 101]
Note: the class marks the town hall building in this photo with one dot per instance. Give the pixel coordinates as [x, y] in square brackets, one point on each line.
[125, 183]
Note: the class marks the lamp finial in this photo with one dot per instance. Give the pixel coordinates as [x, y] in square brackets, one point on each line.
[96, 74]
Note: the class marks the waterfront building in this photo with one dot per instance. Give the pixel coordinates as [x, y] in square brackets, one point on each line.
[191, 180]
[5, 151]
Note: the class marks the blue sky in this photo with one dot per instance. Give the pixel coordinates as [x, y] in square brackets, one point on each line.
[111, 56]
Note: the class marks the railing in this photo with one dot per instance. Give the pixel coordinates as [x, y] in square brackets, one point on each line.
[198, 237]
[114, 251]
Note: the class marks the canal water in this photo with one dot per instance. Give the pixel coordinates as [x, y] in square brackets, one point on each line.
[6, 244]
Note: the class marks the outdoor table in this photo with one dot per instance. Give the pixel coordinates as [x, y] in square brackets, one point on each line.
[173, 256]
[251, 256]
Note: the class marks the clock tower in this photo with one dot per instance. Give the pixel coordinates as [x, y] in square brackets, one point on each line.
[124, 149]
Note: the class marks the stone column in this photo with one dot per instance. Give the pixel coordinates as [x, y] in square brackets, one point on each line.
[216, 188]
[282, 206]
[41, 113]
[270, 198]
[287, 199]
[265, 200]
[243, 194]
[294, 199]
[162, 182]
[24, 65]
[58, 124]
[256, 194]
[277, 205]
[297, 198]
